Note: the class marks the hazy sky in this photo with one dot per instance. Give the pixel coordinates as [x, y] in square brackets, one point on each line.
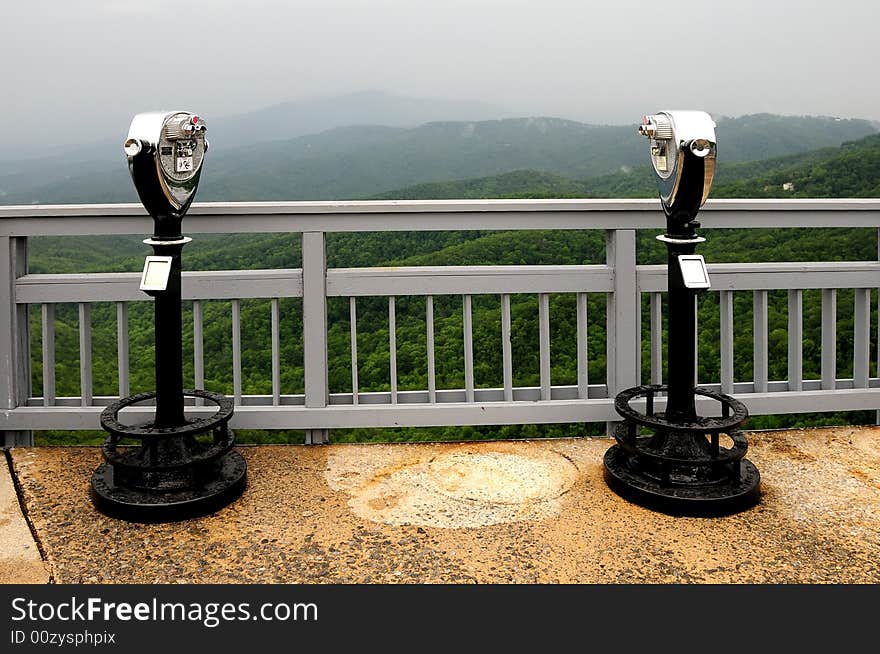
[74, 70]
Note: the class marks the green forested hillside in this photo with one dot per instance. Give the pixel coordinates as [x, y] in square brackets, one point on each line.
[850, 170]
[518, 184]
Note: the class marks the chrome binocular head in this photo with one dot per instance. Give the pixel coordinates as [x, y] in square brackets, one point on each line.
[683, 153]
[165, 152]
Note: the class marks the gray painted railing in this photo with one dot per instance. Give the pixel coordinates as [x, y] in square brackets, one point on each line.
[318, 410]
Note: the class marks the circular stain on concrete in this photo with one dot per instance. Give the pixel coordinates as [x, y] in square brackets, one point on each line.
[497, 478]
[453, 486]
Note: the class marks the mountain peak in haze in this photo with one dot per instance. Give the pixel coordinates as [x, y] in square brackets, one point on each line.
[372, 107]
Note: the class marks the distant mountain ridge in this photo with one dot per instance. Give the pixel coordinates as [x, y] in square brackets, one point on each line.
[289, 120]
[358, 161]
[278, 122]
[851, 170]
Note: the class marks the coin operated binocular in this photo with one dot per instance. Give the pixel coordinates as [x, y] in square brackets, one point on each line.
[673, 460]
[165, 154]
[170, 467]
[683, 153]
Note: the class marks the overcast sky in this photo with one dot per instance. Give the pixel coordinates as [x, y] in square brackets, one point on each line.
[73, 70]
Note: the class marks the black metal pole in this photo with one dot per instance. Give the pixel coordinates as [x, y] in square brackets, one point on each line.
[680, 405]
[169, 343]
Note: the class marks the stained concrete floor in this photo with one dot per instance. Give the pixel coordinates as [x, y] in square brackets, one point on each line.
[525, 512]
[20, 560]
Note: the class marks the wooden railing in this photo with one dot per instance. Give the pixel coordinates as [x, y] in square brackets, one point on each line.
[320, 408]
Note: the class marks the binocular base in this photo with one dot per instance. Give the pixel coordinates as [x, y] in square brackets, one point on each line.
[680, 467]
[723, 497]
[226, 483]
[156, 473]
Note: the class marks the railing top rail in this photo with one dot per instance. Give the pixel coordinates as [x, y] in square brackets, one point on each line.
[134, 209]
[432, 215]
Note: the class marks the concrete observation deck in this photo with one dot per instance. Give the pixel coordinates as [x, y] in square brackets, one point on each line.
[491, 512]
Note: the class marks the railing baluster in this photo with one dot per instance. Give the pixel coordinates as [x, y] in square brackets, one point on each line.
[829, 339]
[392, 347]
[468, 351]
[725, 299]
[861, 340]
[314, 307]
[198, 349]
[85, 353]
[122, 358]
[236, 351]
[48, 322]
[15, 342]
[48, 341]
[276, 352]
[352, 319]
[623, 332]
[760, 340]
[656, 338]
[795, 340]
[429, 334]
[582, 351]
[544, 339]
[506, 350]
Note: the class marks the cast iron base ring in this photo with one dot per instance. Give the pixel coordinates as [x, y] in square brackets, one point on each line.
[681, 468]
[171, 474]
